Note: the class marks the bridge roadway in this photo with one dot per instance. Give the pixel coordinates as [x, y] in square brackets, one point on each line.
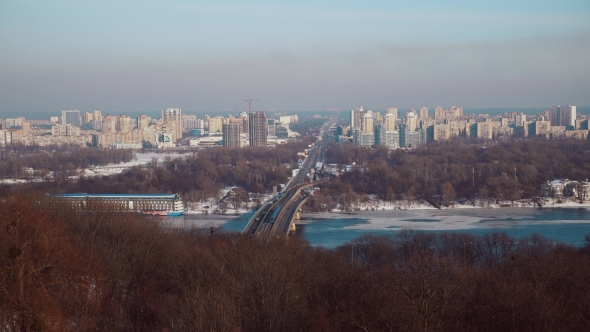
[266, 222]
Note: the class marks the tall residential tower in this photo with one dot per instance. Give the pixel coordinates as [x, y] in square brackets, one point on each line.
[231, 134]
[257, 127]
[172, 119]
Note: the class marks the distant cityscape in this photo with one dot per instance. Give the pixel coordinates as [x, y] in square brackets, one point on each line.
[369, 128]
[365, 128]
[108, 131]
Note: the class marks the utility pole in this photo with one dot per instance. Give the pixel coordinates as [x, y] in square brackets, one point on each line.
[250, 103]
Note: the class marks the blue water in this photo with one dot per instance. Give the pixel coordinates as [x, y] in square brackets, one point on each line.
[555, 224]
[565, 225]
[238, 224]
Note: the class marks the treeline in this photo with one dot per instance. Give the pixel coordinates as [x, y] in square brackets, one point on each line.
[308, 125]
[454, 169]
[101, 271]
[64, 159]
[200, 175]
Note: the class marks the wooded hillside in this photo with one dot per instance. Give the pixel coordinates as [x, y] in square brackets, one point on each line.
[101, 271]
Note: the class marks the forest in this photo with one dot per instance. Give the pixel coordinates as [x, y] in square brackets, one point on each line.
[443, 172]
[63, 160]
[449, 170]
[196, 176]
[64, 270]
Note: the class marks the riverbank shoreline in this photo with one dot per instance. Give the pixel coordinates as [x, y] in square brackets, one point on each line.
[377, 205]
[454, 219]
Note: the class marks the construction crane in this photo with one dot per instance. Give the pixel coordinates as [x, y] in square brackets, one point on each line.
[250, 103]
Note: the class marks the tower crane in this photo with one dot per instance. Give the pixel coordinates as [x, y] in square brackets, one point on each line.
[250, 103]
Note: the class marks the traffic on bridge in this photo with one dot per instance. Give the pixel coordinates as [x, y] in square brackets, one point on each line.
[275, 217]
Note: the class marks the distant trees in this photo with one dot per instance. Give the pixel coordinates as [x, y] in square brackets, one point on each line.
[448, 193]
[441, 171]
[457, 169]
[97, 271]
[198, 175]
[63, 160]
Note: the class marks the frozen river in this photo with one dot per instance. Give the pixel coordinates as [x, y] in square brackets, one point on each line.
[566, 225]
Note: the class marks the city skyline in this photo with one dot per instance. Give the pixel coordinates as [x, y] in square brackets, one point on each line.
[134, 56]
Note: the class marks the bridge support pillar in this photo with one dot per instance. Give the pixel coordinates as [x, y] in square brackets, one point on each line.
[297, 216]
[292, 227]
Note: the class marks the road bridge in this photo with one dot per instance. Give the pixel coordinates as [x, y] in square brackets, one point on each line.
[275, 217]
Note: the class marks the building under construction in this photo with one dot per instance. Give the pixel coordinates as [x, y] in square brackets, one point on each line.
[258, 128]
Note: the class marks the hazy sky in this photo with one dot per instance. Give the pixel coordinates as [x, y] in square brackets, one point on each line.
[119, 56]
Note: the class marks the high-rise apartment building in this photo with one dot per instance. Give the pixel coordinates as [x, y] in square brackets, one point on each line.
[481, 130]
[109, 124]
[567, 116]
[411, 121]
[377, 116]
[537, 128]
[97, 115]
[189, 121]
[456, 111]
[438, 132]
[172, 119]
[231, 134]
[88, 117]
[423, 113]
[503, 122]
[361, 138]
[125, 125]
[216, 125]
[272, 127]
[71, 117]
[439, 112]
[367, 123]
[245, 122]
[143, 122]
[563, 116]
[393, 110]
[389, 138]
[18, 122]
[389, 122]
[355, 117]
[411, 138]
[257, 127]
[65, 130]
[92, 120]
[519, 119]
[554, 115]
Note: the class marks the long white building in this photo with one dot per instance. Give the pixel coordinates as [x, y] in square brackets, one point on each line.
[150, 204]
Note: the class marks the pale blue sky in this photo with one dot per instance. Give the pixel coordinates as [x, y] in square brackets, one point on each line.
[120, 56]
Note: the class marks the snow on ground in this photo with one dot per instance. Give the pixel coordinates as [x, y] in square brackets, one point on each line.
[140, 159]
[447, 220]
[197, 221]
[422, 216]
[213, 206]
[12, 181]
